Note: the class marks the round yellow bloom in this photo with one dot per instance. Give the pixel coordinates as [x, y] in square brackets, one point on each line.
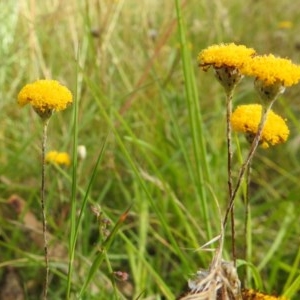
[59, 158]
[224, 55]
[250, 294]
[45, 96]
[246, 119]
[272, 70]
[285, 25]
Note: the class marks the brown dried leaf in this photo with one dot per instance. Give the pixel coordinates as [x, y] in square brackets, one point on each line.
[34, 228]
[10, 286]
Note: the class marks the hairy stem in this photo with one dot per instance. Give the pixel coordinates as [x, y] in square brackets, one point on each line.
[44, 218]
[247, 228]
[229, 168]
[248, 159]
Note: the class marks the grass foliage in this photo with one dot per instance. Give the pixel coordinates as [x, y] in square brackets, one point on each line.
[153, 125]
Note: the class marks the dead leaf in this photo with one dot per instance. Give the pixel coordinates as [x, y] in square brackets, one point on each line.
[34, 228]
[10, 286]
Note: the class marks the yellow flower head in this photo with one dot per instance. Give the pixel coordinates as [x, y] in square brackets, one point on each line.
[285, 25]
[224, 55]
[45, 96]
[227, 60]
[59, 158]
[246, 119]
[250, 294]
[272, 70]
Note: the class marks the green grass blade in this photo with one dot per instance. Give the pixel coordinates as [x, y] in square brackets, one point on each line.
[102, 252]
[73, 197]
[196, 125]
[293, 289]
[279, 238]
[254, 271]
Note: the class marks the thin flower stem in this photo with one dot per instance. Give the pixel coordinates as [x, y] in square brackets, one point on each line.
[229, 169]
[251, 153]
[247, 228]
[44, 218]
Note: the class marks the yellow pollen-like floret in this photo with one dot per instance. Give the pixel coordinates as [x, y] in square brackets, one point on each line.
[60, 158]
[225, 55]
[254, 295]
[246, 119]
[271, 70]
[45, 95]
[285, 25]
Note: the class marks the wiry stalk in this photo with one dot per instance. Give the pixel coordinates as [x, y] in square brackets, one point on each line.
[44, 218]
[247, 232]
[251, 153]
[229, 168]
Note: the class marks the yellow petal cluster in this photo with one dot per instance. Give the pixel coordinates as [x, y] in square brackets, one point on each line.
[246, 119]
[272, 70]
[45, 95]
[254, 295]
[225, 55]
[285, 25]
[59, 158]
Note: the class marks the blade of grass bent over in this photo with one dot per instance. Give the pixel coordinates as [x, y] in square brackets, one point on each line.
[136, 172]
[102, 252]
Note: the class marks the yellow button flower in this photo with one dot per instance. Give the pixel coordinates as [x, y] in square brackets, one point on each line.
[59, 158]
[272, 70]
[226, 59]
[250, 294]
[224, 55]
[45, 96]
[246, 119]
[285, 25]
